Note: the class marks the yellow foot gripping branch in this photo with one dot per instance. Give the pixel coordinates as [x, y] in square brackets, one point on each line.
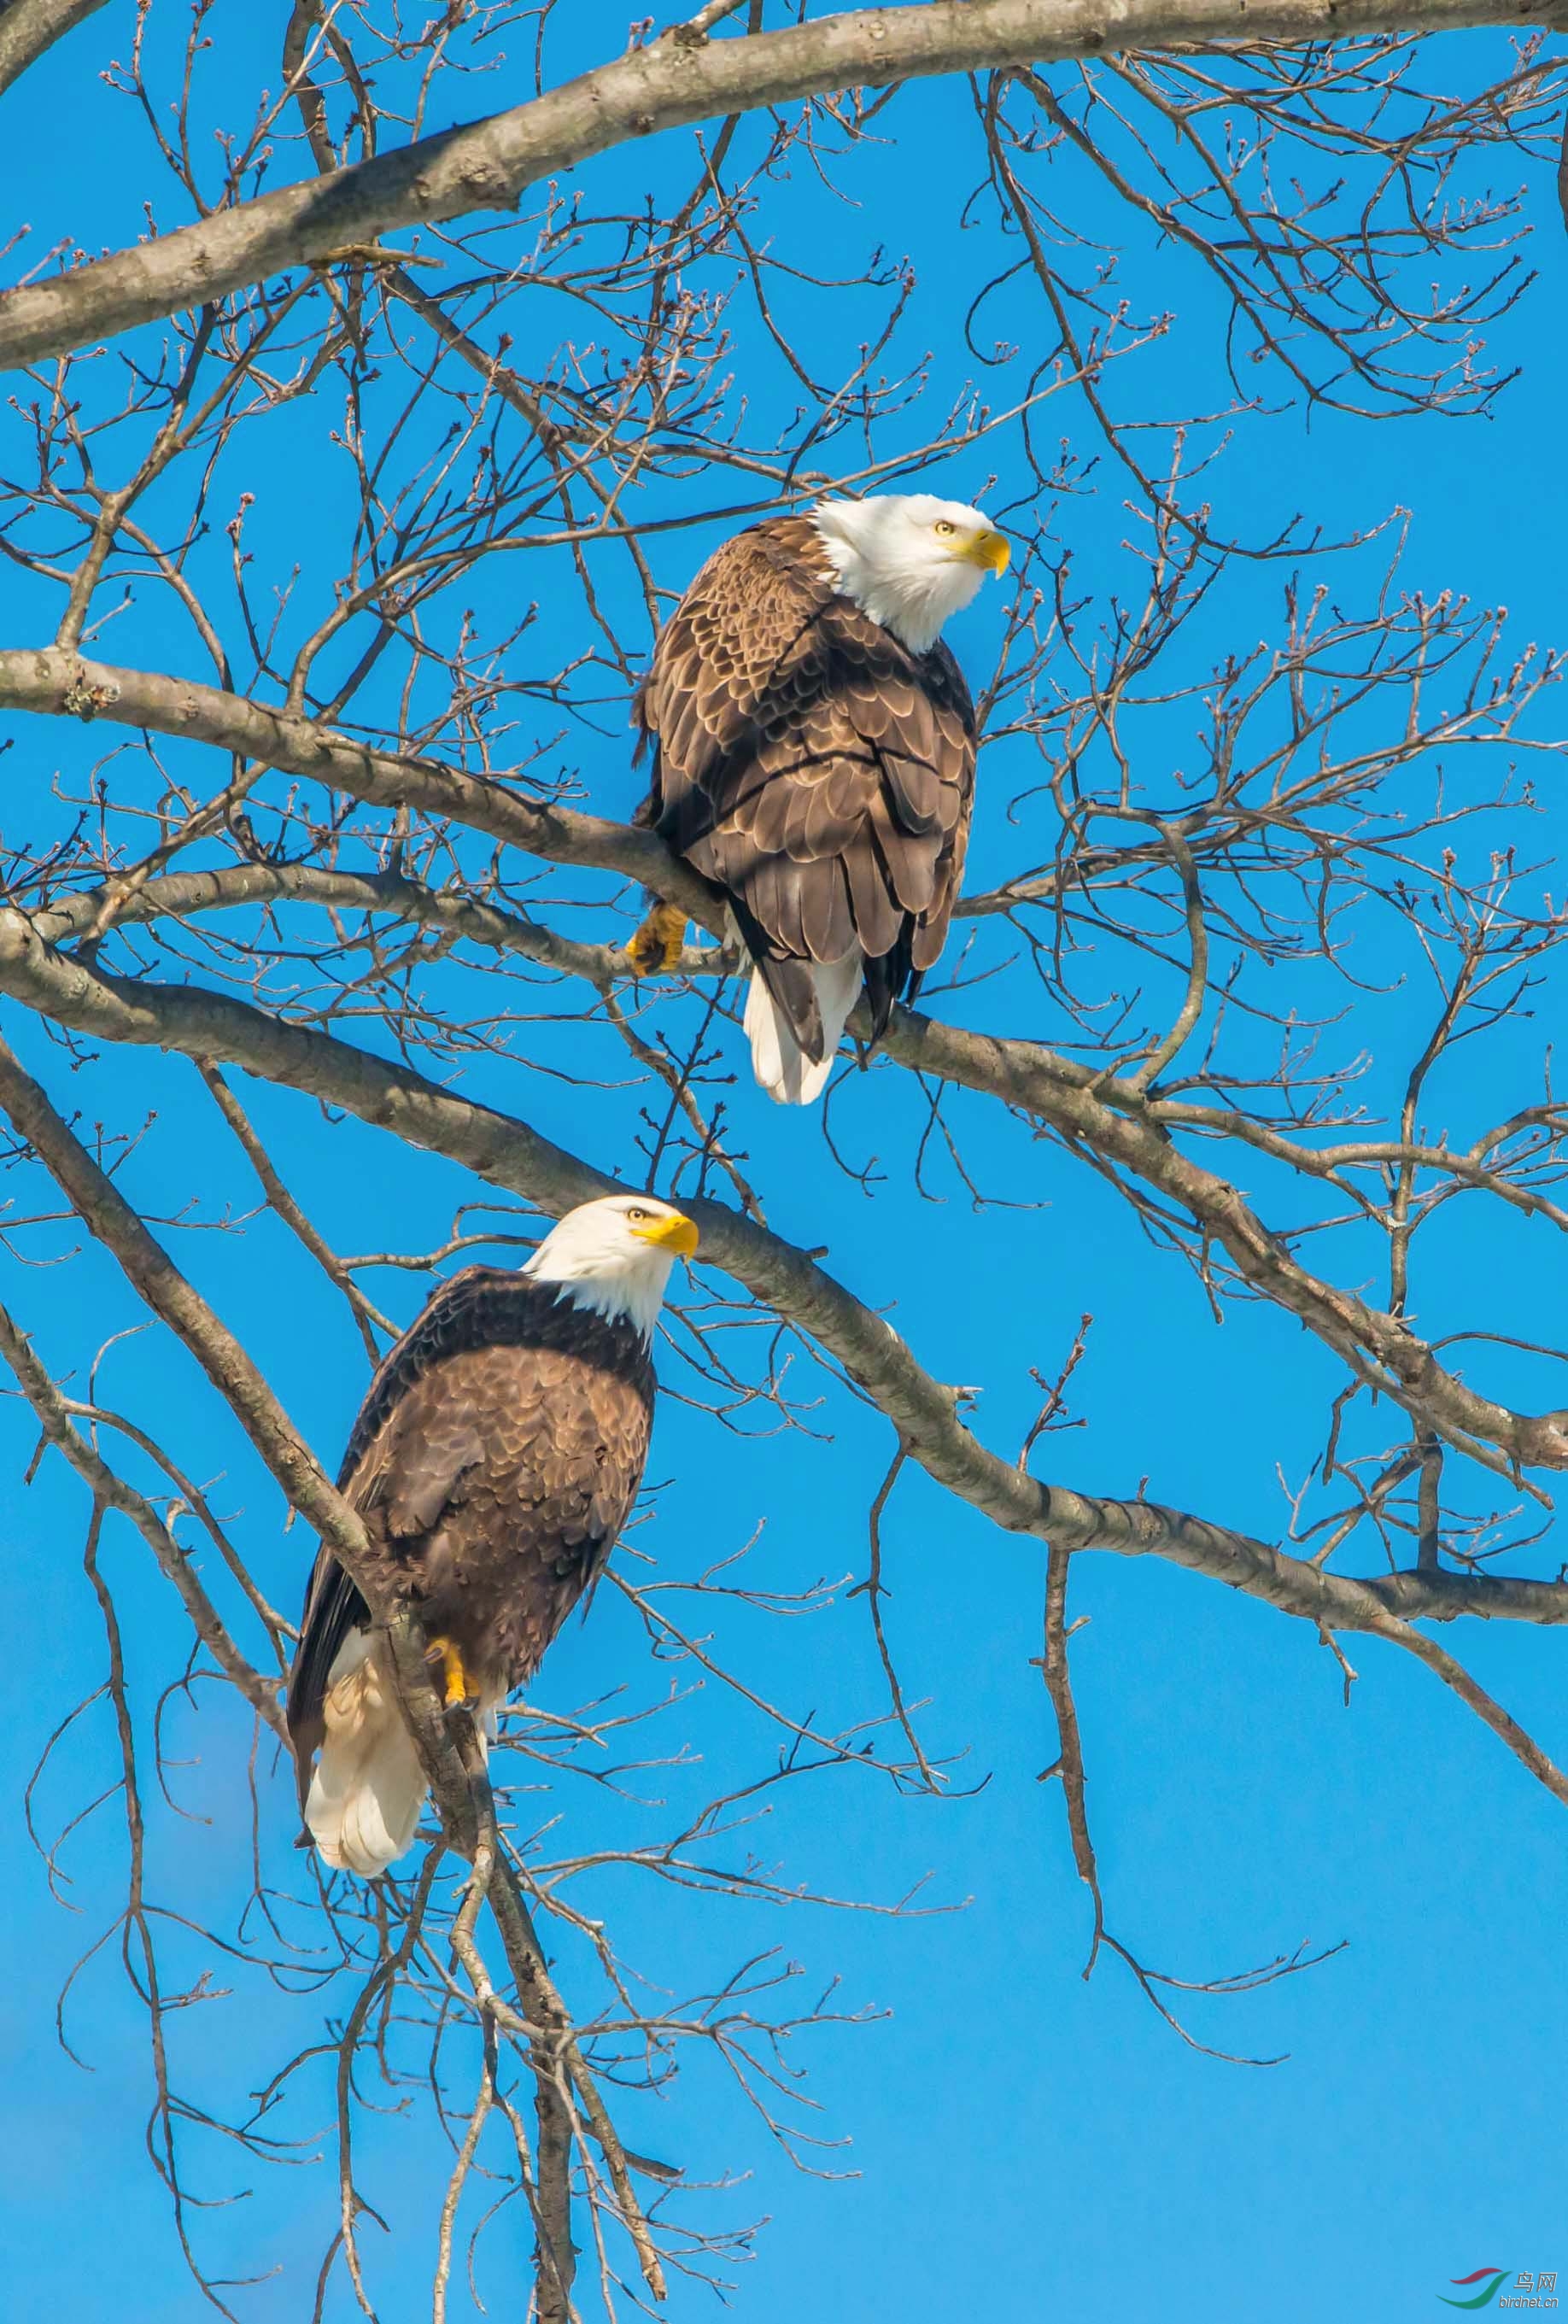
[458, 1688]
[656, 948]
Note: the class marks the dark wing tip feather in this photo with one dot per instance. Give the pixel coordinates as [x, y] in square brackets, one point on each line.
[333, 1607]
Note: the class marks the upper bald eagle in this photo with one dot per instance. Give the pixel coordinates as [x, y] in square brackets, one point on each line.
[814, 757]
[494, 1462]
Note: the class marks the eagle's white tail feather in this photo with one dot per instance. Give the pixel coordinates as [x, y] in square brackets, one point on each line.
[367, 1787]
[778, 1060]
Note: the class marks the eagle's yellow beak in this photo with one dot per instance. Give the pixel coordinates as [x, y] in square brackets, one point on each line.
[987, 550]
[676, 1233]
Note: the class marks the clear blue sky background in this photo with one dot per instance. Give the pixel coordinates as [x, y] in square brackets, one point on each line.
[1023, 2145]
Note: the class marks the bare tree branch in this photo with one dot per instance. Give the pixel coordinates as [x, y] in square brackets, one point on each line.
[506, 1152]
[486, 165]
[63, 685]
[113, 1491]
[28, 28]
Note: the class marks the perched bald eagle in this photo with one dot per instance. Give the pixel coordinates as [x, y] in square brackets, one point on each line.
[813, 758]
[493, 1462]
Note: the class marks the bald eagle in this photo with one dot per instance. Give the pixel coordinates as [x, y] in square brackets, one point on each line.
[813, 758]
[494, 1462]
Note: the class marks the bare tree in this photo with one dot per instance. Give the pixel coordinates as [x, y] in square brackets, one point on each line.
[328, 832]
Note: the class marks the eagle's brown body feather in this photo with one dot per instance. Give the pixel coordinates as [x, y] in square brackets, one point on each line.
[813, 767]
[494, 1460]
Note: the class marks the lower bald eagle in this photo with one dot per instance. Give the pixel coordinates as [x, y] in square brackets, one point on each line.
[493, 1462]
[814, 753]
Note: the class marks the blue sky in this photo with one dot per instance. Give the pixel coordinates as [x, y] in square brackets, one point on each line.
[1021, 2142]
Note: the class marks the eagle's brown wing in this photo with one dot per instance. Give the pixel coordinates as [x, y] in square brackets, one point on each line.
[812, 766]
[494, 1460]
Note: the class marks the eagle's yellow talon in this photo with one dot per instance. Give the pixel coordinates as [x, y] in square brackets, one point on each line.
[457, 1688]
[656, 948]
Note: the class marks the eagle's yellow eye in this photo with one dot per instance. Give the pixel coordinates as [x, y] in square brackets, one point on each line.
[635, 1212]
[942, 527]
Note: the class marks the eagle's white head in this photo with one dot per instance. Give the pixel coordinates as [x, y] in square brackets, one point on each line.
[614, 1256]
[908, 559]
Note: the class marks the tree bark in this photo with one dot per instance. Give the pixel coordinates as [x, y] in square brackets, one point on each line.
[28, 28]
[507, 1153]
[58, 684]
[680, 79]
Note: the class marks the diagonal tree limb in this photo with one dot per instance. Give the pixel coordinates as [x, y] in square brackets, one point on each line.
[281, 1202]
[56, 684]
[168, 1292]
[234, 886]
[1068, 1520]
[954, 1055]
[29, 29]
[171, 1296]
[1475, 1698]
[61, 684]
[1081, 1106]
[507, 1153]
[229, 1366]
[105, 1211]
[1111, 1115]
[680, 79]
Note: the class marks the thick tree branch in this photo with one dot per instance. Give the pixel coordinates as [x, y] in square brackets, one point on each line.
[154, 1274]
[506, 1153]
[28, 28]
[63, 685]
[170, 1296]
[234, 887]
[1113, 1117]
[680, 79]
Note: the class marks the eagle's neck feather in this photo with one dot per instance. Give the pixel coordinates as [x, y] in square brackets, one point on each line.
[908, 595]
[628, 1297]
